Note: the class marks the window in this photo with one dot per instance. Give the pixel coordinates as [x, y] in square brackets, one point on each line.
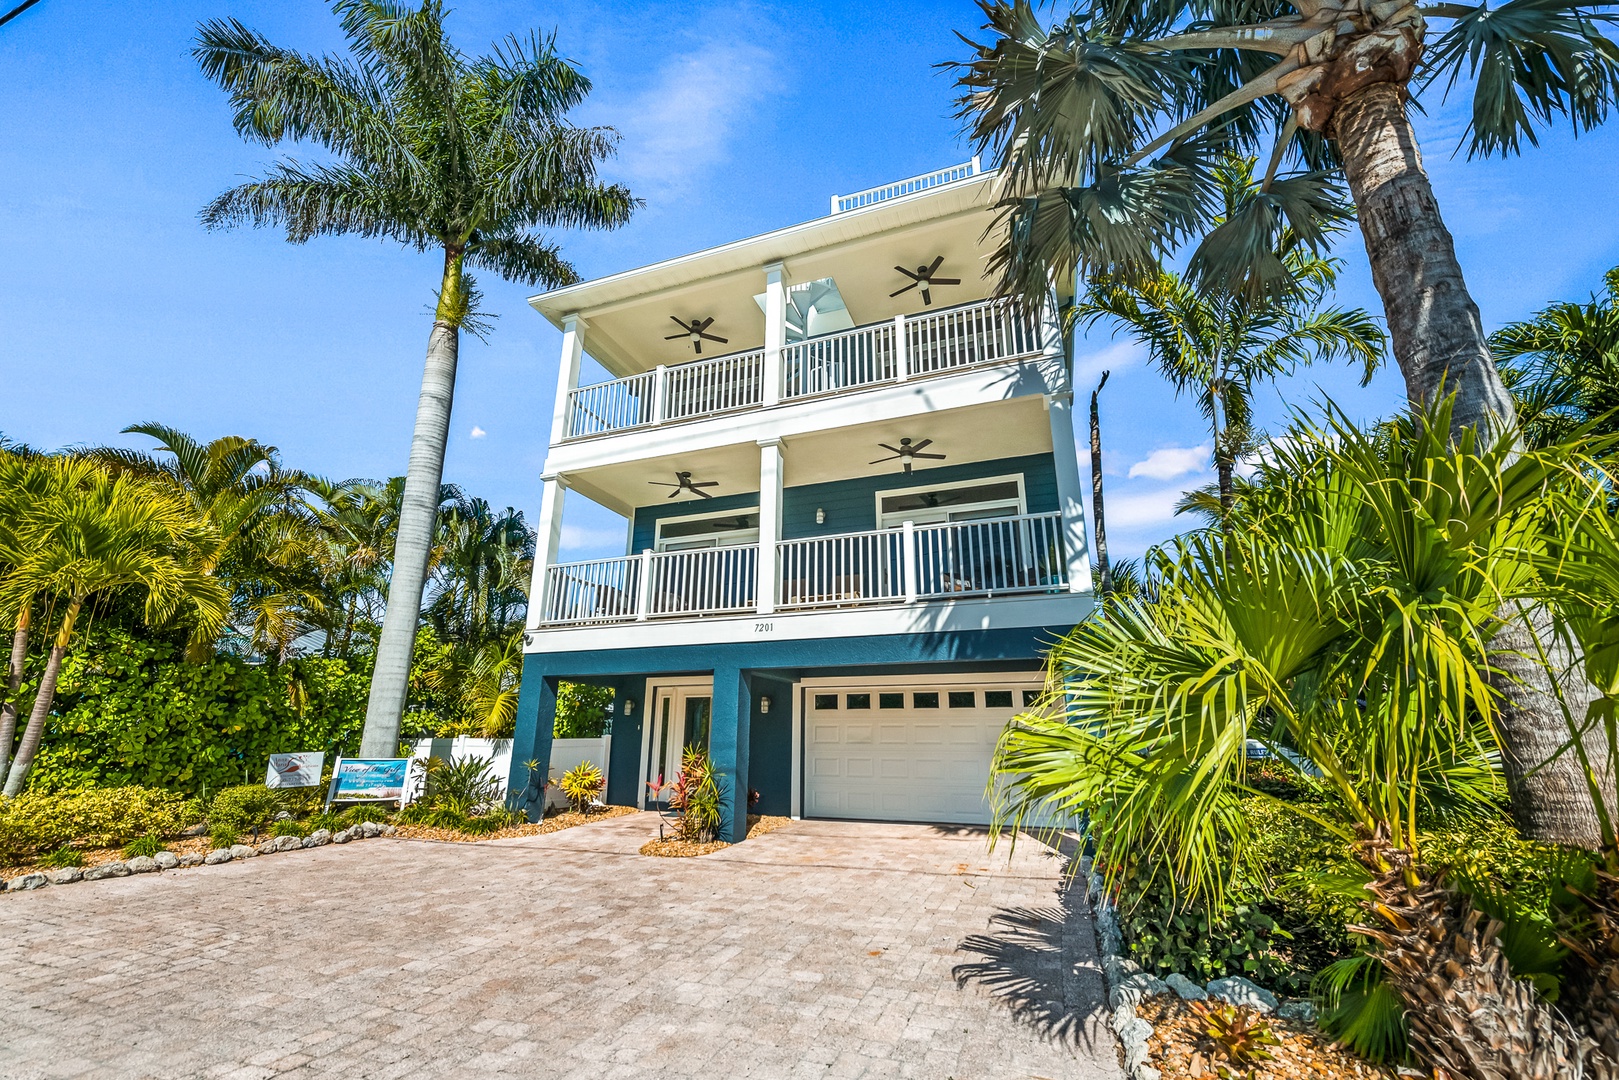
[997, 699]
[891, 701]
[1030, 697]
[973, 501]
[924, 701]
[826, 701]
[857, 701]
[963, 699]
[711, 530]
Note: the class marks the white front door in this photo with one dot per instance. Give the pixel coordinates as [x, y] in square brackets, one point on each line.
[680, 718]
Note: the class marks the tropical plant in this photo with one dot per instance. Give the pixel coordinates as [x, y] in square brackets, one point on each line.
[695, 796]
[438, 152]
[1215, 342]
[147, 845]
[94, 535]
[1242, 1038]
[582, 784]
[1562, 366]
[1107, 127]
[223, 836]
[24, 479]
[1103, 570]
[467, 787]
[582, 710]
[62, 857]
[98, 817]
[1341, 622]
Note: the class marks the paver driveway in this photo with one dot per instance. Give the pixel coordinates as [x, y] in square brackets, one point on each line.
[821, 950]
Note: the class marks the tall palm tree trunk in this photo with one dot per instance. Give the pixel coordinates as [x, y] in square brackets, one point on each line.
[14, 673]
[418, 517]
[1104, 577]
[1439, 343]
[18, 774]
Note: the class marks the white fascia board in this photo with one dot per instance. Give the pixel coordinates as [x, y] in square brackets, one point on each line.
[927, 617]
[933, 204]
[889, 401]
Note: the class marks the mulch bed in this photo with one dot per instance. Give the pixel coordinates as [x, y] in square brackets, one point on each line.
[565, 819]
[671, 848]
[100, 856]
[1178, 1048]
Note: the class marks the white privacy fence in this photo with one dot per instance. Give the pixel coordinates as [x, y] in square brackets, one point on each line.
[901, 348]
[995, 556]
[565, 755]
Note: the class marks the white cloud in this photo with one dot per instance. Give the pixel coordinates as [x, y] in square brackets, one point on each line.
[1091, 359]
[1168, 462]
[1141, 510]
[478, 432]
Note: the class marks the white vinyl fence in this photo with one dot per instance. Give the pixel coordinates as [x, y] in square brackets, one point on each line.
[565, 754]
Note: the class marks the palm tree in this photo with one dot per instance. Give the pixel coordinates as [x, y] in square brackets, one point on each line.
[1340, 619]
[1562, 366]
[1103, 571]
[25, 479]
[481, 573]
[94, 534]
[467, 157]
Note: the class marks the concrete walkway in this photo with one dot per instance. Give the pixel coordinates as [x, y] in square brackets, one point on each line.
[823, 950]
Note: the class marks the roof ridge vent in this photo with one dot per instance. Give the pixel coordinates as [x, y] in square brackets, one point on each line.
[909, 186]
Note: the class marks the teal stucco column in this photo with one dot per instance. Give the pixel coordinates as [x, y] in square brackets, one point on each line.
[531, 741]
[729, 721]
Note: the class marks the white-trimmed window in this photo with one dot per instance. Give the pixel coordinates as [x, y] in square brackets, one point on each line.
[970, 500]
[707, 530]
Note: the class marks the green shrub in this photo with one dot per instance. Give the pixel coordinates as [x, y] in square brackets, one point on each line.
[355, 815]
[286, 827]
[468, 787]
[62, 857]
[147, 845]
[582, 784]
[493, 821]
[222, 836]
[243, 808]
[1165, 934]
[100, 817]
[324, 820]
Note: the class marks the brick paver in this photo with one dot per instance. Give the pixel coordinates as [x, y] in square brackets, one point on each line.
[824, 950]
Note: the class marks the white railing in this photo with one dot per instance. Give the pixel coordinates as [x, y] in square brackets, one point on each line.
[980, 333]
[599, 590]
[851, 568]
[703, 581]
[611, 406]
[997, 555]
[706, 387]
[832, 363]
[908, 186]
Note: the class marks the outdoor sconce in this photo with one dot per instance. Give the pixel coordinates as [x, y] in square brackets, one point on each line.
[629, 706]
[820, 516]
[764, 704]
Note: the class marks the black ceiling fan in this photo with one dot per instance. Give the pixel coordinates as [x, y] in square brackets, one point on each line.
[683, 483]
[924, 278]
[696, 331]
[906, 453]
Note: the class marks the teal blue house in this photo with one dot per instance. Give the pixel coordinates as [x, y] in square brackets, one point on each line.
[853, 512]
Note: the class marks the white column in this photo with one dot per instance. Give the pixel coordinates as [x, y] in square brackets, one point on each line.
[1065, 455]
[770, 485]
[573, 350]
[775, 329]
[902, 360]
[547, 541]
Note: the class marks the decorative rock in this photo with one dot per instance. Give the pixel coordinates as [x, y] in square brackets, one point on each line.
[370, 828]
[1122, 1017]
[193, 858]
[1135, 1055]
[167, 860]
[1239, 991]
[143, 864]
[27, 882]
[1135, 989]
[199, 829]
[387, 830]
[290, 843]
[241, 851]
[342, 837]
[1186, 988]
[66, 875]
[1302, 1010]
[106, 870]
[318, 838]
[282, 815]
[1119, 968]
[1146, 1072]
[217, 856]
[1136, 1031]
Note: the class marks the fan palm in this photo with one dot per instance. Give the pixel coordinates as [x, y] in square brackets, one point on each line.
[1562, 366]
[467, 157]
[94, 534]
[1341, 618]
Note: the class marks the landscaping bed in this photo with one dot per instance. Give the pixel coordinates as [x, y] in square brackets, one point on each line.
[554, 822]
[673, 847]
[1179, 1047]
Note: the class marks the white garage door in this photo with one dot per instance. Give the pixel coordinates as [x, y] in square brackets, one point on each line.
[904, 753]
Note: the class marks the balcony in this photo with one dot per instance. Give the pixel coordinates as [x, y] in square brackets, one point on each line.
[1008, 556]
[894, 351]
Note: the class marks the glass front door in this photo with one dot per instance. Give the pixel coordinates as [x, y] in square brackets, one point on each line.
[680, 719]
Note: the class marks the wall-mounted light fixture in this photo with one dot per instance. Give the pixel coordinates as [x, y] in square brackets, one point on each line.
[764, 704]
[629, 706]
[820, 516]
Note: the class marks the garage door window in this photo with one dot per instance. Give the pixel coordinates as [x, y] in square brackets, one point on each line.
[1030, 697]
[826, 701]
[858, 701]
[925, 701]
[891, 701]
[997, 699]
[963, 699]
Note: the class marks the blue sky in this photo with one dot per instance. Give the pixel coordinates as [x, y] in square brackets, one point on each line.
[737, 118]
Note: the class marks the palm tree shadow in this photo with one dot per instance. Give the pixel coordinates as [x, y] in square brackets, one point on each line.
[1042, 964]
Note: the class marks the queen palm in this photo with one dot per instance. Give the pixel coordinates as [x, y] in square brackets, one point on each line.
[465, 157]
[93, 535]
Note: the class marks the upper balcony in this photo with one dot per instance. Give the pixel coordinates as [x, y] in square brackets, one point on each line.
[896, 350]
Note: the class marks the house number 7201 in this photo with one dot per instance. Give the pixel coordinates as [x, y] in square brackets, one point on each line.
[764, 627]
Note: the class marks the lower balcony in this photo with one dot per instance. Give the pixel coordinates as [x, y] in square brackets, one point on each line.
[1007, 556]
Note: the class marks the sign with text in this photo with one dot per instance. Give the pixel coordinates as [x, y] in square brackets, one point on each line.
[295, 770]
[369, 780]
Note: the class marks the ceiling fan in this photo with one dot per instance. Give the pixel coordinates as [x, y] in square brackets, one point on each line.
[696, 331]
[924, 278]
[683, 483]
[906, 453]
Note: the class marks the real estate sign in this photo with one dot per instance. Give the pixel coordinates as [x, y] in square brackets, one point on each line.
[294, 770]
[369, 780]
